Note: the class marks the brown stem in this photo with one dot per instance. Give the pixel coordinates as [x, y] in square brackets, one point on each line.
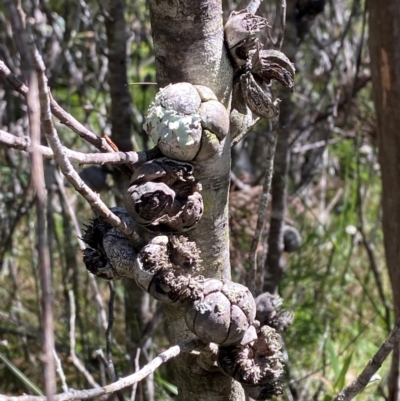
[374, 364]
[281, 165]
[24, 143]
[58, 111]
[254, 281]
[34, 115]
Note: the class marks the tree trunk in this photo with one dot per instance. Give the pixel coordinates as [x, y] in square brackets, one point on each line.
[189, 47]
[385, 66]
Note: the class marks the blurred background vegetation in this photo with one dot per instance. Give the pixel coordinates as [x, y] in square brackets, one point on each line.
[336, 283]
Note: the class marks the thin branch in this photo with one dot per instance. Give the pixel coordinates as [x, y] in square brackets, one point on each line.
[254, 281]
[302, 149]
[60, 372]
[361, 382]
[17, 18]
[45, 270]
[75, 360]
[24, 143]
[237, 183]
[64, 117]
[65, 165]
[109, 369]
[134, 386]
[120, 384]
[110, 365]
[281, 34]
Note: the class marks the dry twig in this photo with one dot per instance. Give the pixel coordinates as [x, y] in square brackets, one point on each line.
[254, 281]
[17, 19]
[65, 165]
[60, 372]
[75, 360]
[24, 143]
[120, 384]
[374, 364]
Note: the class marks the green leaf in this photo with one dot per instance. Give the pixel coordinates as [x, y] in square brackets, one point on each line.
[20, 375]
[167, 385]
[340, 382]
[334, 362]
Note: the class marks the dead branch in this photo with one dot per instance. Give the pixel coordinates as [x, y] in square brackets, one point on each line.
[120, 384]
[374, 364]
[17, 18]
[24, 143]
[75, 360]
[64, 117]
[60, 157]
[255, 281]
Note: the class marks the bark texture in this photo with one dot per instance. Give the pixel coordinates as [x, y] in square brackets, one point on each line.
[189, 47]
[385, 66]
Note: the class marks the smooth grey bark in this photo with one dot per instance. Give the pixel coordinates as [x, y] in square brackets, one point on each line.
[189, 47]
[385, 67]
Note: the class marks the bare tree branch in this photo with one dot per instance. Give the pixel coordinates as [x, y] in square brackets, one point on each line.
[374, 364]
[64, 117]
[110, 365]
[283, 25]
[60, 372]
[24, 143]
[65, 165]
[120, 384]
[17, 18]
[243, 134]
[255, 281]
[75, 360]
